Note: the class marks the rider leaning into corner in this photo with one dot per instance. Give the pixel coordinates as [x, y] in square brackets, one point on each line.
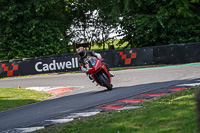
[84, 54]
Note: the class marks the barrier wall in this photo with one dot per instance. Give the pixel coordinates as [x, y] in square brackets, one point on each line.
[175, 54]
[130, 57]
[39, 65]
[170, 54]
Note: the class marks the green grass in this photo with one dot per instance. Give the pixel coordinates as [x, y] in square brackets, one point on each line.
[174, 113]
[111, 42]
[12, 97]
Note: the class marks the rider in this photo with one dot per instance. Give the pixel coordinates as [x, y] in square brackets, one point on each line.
[83, 55]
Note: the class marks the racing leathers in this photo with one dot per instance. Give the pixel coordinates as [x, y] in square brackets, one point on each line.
[97, 55]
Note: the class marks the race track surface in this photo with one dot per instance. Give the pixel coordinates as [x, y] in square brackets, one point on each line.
[86, 94]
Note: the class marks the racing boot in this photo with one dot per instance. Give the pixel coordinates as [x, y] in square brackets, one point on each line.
[111, 74]
[91, 79]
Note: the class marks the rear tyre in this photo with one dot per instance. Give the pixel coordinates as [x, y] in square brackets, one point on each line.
[105, 82]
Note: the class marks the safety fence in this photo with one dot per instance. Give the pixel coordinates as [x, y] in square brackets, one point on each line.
[168, 54]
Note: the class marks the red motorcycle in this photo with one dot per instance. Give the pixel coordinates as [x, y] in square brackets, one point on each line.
[98, 72]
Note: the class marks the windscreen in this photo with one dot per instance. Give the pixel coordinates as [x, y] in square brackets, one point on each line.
[91, 61]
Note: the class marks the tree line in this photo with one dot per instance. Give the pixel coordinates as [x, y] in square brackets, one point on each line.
[46, 27]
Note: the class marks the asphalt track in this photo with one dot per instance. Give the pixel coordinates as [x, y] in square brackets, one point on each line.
[86, 94]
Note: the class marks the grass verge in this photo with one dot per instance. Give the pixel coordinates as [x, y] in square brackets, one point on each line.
[170, 113]
[12, 97]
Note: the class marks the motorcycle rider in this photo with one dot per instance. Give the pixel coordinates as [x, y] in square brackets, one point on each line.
[83, 55]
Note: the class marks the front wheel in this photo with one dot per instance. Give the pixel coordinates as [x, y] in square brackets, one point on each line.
[105, 82]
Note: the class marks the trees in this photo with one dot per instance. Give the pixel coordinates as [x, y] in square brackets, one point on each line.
[151, 22]
[94, 26]
[40, 27]
[31, 28]
[84, 30]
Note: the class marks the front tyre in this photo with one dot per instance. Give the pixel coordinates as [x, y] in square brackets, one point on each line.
[105, 82]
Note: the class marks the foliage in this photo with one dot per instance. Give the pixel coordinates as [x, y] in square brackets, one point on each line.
[151, 22]
[28, 30]
[40, 27]
[94, 26]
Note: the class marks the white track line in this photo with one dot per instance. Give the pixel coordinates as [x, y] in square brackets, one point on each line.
[58, 121]
[47, 88]
[191, 84]
[72, 117]
[40, 88]
[84, 114]
[129, 108]
[29, 129]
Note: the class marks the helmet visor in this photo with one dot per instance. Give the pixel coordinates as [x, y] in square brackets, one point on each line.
[81, 54]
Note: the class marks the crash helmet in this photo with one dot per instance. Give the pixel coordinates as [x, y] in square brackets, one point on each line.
[81, 51]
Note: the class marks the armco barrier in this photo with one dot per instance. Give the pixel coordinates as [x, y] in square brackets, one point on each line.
[170, 54]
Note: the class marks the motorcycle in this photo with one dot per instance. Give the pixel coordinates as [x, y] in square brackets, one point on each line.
[98, 72]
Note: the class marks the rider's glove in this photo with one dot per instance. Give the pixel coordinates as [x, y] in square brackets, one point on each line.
[84, 69]
[101, 59]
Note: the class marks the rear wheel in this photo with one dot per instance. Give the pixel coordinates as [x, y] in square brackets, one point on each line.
[103, 79]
